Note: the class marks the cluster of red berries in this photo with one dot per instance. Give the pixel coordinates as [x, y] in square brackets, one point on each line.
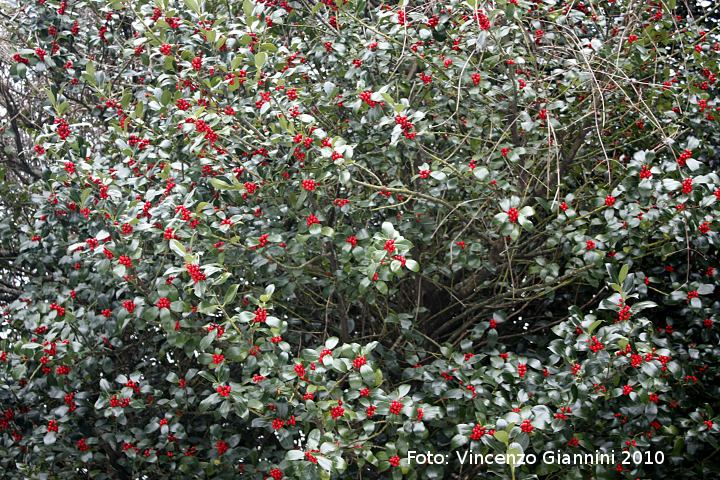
[359, 361]
[311, 220]
[595, 344]
[82, 445]
[366, 97]
[625, 313]
[222, 447]
[215, 326]
[684, 157]
[195, 272]
[263, 240]
[522, 369]
[482, 20]
[513, 215]
[260, 315]
[250, 187]
[527, 426]
[182, 104]
[407, 126]
[309, 184]
[563, 413]
[645, 172]
[687, 186]
[129, 305]
[52, 426]
[20, 59]
[337, 412]
[202, 127]
[116, 402]
[395, 407]
[63, 128]
[70, 401]
[60, 310]
[477, 432]
[224, 390]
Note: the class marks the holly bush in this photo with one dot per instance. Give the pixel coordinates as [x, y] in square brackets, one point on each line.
[298, 239]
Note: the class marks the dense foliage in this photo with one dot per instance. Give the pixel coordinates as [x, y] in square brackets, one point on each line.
[292, 239]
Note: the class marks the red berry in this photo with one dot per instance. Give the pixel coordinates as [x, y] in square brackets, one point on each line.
[359, 361]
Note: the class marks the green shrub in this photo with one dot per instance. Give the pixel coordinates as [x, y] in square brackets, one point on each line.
[301, 240]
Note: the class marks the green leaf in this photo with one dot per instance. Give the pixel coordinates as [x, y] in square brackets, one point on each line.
[593, 326]
[89, 74]
[209, 402]
[193, 5]
[458, 441]
[389, 230]
[378, 377]
[324, 463]
[368, 375]
[49, 438]
[623, 273]
[260, 59]
[502, 436]
[207, 340]
[294, 455]
[220, 185]
[248, 11]
[230, 294]
[178, 248]
[514, 453]
[412, 265]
